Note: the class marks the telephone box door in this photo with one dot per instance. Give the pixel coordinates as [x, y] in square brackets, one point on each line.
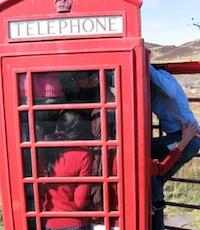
[57, 179]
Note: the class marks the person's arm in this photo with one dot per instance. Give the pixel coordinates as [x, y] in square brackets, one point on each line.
[187, 134]
[82, 192]
[164, 81]
[159, 168]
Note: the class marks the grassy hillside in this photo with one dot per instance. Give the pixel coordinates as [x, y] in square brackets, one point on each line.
[189, 51]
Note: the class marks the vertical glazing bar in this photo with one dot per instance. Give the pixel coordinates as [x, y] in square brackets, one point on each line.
[119, 148]
[35, 188]
[33, 151]
[104, 148]
[19, 154]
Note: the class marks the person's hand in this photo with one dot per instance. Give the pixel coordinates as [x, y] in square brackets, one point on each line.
[189, 131]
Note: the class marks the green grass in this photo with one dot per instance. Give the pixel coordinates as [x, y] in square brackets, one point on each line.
[1, 225]
[1, 222]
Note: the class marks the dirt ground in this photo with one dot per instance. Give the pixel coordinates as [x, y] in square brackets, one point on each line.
[180, 221]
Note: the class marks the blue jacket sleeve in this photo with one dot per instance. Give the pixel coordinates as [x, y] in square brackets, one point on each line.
[164, 81]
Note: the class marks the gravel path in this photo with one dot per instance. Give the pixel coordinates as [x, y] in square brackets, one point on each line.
[179, 221]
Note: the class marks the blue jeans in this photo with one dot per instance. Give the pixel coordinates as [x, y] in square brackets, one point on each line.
[158, 220]
[70, 228]
[159, 150]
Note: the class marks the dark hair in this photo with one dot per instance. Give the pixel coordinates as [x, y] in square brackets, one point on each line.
[70, 126]
[75, 93]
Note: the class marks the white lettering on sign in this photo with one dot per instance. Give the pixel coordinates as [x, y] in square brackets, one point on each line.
[66, 27]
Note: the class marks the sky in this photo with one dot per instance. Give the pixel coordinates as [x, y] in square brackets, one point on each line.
[170, 22]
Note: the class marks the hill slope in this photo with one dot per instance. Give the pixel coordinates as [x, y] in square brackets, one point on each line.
[189, 51]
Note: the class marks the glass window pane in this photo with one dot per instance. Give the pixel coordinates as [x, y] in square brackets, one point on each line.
[26, 162]
[112, 161]
[63, 125]
[114, 223]
[110, 85]
[66, 87]
[70, 197]
[29, 195]
[64, 162]
[96, 197]
[113, 194]
[24, 126]
[66, 223]
[97, 161]
[45, 125]
[97, 223]
[31, 222]
[22, 89]
[96, 123]
[81, 86]
[47, 88]
[49, 160]
[111, 124]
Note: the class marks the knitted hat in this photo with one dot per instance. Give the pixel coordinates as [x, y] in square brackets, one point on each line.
[47, 85]
[44, 85]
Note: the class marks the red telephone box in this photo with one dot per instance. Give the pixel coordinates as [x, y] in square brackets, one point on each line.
[74, 115]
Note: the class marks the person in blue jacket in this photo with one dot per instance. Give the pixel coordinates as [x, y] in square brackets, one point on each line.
[170, 104]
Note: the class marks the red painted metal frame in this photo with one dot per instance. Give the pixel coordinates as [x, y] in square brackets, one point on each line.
[4, 166]
[139, 2]
[180, 67]
[47, 8]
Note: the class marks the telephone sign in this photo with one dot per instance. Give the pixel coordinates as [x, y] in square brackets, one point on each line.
[76, 26]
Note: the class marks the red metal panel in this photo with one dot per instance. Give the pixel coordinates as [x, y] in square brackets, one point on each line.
[47, 9]
[131, 1]
[138, 2]
[4, 166]
[143, 136]
[180, 67]
[14, 163]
